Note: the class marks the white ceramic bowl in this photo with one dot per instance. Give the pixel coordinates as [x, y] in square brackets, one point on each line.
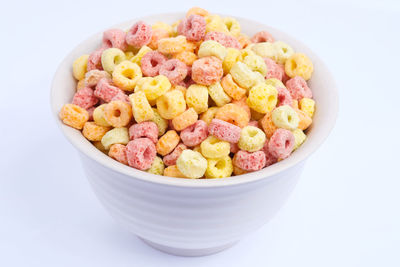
[195, 217]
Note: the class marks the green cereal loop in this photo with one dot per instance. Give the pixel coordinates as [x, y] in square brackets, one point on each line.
[256, 63]
[115, 136]
[162, 124]
[212, 48]
[157, 167]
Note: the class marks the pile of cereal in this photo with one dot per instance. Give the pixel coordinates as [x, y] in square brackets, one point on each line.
[195, 99]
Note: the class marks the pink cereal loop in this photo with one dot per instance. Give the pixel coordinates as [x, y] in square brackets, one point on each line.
[114, 38]
[207, 70]
[151, 63]
[171, 158]
[298, 88]
[193, 27]
[140, 153]
[284, 97]
[273, 69]
[249, 161]
[139, 34]
[224, 39]
[85, 98]
[144, 129]
[94, 60]
[281, 143]
[269, 158]
[224, 130]
[194, 134]
[261, 37]
[106, 91]
[175, 70]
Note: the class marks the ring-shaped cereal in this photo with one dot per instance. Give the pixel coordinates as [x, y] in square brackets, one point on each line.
[273, 70]
[207, 70]
[93, 77]
[171, 158]
[284, 97]
[307, 105]
[151, 63]
[264, 50]
[232, 25]
[209, 114]
[262, 98]
[105, 91]
[157, 35]
[126, 74]
[251, 139]
[267, 125]
[299, 138]
[249, 161]
[261, 37]
[162, 124]
[185, 119]
[172, 45]
[186, 57]
[79, 67]
[171, 104]
[173, 171]
[193, 27]
[256, 63]
[283, 51]
[115, 38]
[174, 69]
[157, 167]
[224, 130]
[111, 57]
[153, 87]
[140, 54]
[118, 113]
[118, 152]
[115, 136]
[146, 129]
[213, 148]
[191, 164]
[197, 98]
[243, 104]
[232, 56]
[167, 142]
[93, 132]
[194, 134]
[139, 34]
[74, 116]
[231, 88]
[233, 114]
[224, 39]
[298, 88]
[98, 115]
[281, 143]
[218, 94]
[219, 168]
[94, 60]
[140, 153]
[211, 48]
[243, 75]
[197, 11]
[215, 24]
[140, 107]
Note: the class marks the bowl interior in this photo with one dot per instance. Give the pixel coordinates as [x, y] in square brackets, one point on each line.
[321, 83]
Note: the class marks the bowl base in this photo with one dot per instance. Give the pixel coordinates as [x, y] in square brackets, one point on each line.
[188, 252]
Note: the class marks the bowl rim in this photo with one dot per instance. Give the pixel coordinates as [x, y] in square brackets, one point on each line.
[300, 155]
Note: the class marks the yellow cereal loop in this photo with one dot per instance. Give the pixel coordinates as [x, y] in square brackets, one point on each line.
[256, 63]
[153, 87]
[192, 164]
[138, 57]
[93, 132]
[171, 104]
[232, 56]
[79, 67]
[212, 48]
[74, 116]
[141, 108]
[215, 24]
[209, 115]
[167, 142]
[174, 26]
[265, 49]
[282, 52]
[126, 74]
[285, 117]
[299, 138]
[185, 119]
[197, 11]
[157, 167]
[173, 171]
[232, 25]
[186, 57]
[275, 83]
[262, 98]
[163, 26]
[197, 97]
[213, 148]
[246, 52]
[115, 136]
[243, 75]
[299, 65]
[180, 88]
[218, 94]
[251, 139]
[111, 57]
[162, 124]
[307, 105]
[219, 168]
[172, 45]
[98, 116]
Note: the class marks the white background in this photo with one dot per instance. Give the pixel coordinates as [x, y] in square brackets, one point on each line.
[345, 210]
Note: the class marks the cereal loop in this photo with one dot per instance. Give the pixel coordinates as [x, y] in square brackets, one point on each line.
[299, 65]
[197, 98]
[115, 136]
[174, 69]
[281, 143]
[192, 164]
[167, 142]
[140, 153]
[74, 116]
[79, 67]
[126, 74]
[110, 58]
[139, 34]
[185, 119]
[261, 37]
[219, 168]
[194, 134]
[171, 104]
[233, 114]
[224, 130]
[171, 158]
[207, 70]
[193, 27]
[93, 132]
[249, 161]
[151, 63]
[267, 125]
[118, 113]
[118, 152]
[231, 88]
[157, 167]
[213, 148]
[85, 98]
[115, 38]
[298, 88]
[251, 139]
[146, 129]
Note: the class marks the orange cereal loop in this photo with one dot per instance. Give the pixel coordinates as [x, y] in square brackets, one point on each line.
[243, 104]
[80, 85]
[243, 40]
[173, 171]
[93, 132]
[238, 171]
[118, 152]
[74, 116]
[231, 88]
[305, 120]
[157, 35]
[186, 57]
[185, 119]
[234, 114]
[118, 113]
[167, 142]
[197, 11]
[267, 125]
